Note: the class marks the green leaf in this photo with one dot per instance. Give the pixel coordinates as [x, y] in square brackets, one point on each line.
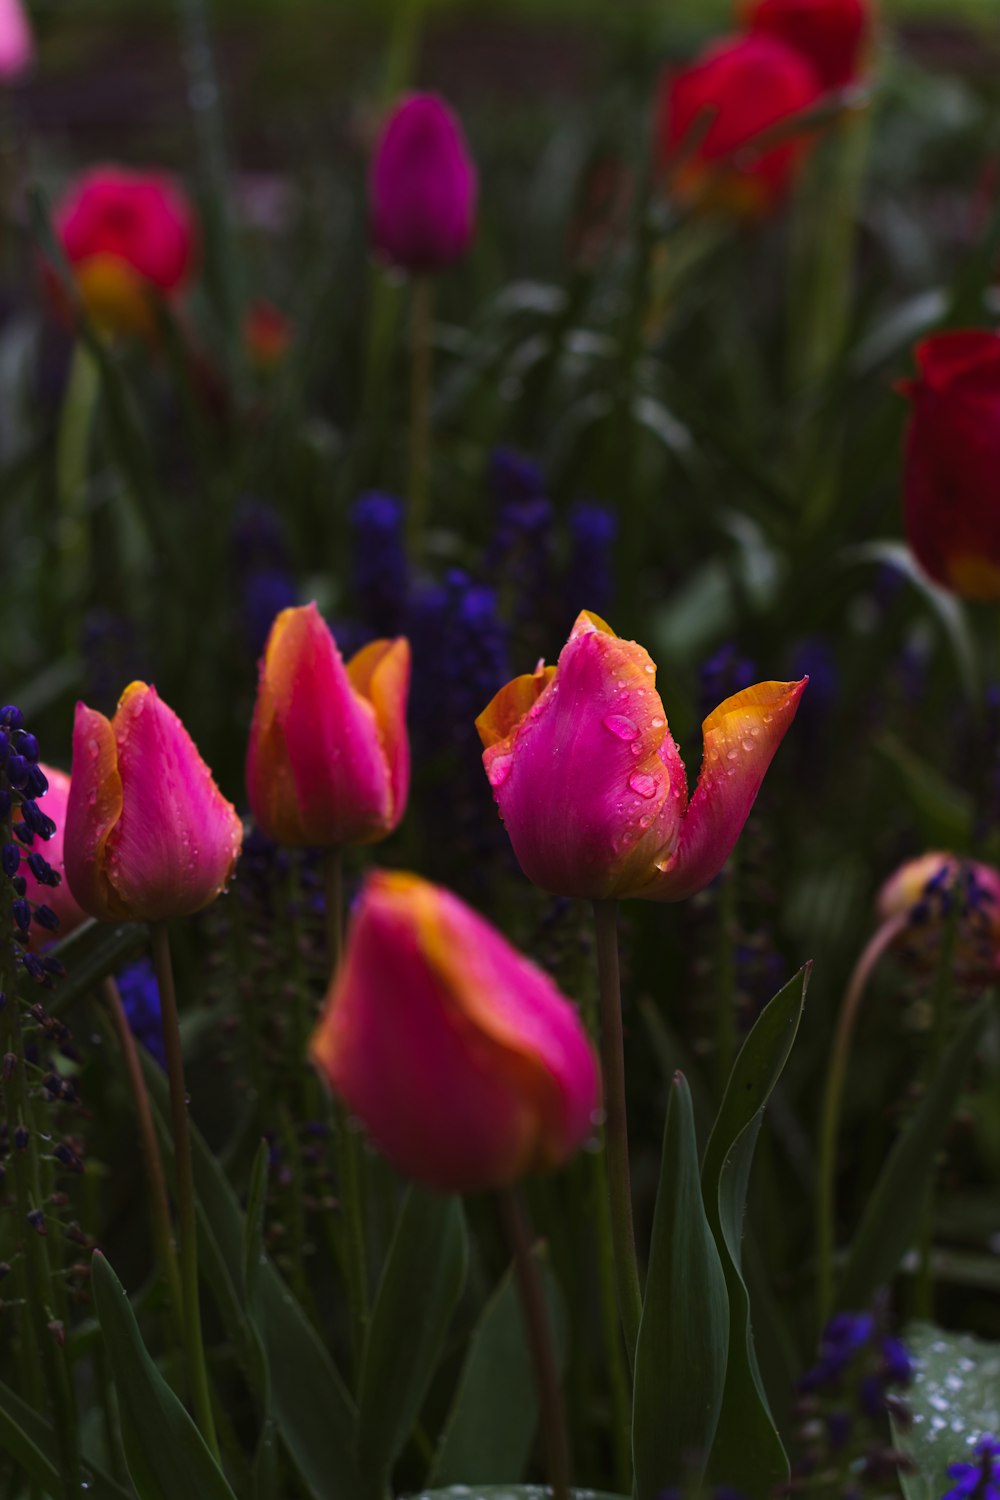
[892, 1217]
[683, 1346]
[422, 1281]
[491, 1427]
[166, 1454]
[510, 1492]
[313, 1412]
[748, 1452]
[90, 954]
[253, 1229]
[29, 1440]
[954, 1398]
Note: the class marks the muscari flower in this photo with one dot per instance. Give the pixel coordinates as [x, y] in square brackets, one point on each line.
[381, 572]
[31, 880]
[924, 891]
[466, 1065]
[979, 1479]
[591, 786]
[140, 996]
[148, 833]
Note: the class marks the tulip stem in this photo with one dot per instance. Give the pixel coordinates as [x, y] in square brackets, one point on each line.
[156, 1186]
[194, 1351]
[832, 1097]
[334, 881]
[616, 1125]
[538, 1326]
[422, 352]
[940, 1008]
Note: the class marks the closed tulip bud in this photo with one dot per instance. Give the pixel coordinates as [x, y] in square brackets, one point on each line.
[591, 786]
[17, 48]
[422, 187]
[129, 238]
[952, 460]
[831, 33]
[328, 761]
[924, 892]
[58, 897]
[710, 115]
[464, 1062]
[148, 833]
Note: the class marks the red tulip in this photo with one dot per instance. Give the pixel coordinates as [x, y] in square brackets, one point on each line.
[328, 761]
[130, 238]
[422, 188]
[465, 1063]
[711, 114]
[831, 33]
[148, 833]
[951, 473]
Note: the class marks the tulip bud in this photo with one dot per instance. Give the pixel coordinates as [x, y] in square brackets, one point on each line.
[422, 187]
[59, 898]
[17, 47]
[952, 461]
[924, 891]
[591, 786]
[464, 1062]
[148, 833]
[710, 114]
[328, 761]
[129, 237]
[830, 33]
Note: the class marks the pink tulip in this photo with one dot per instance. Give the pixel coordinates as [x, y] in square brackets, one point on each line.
[922, 890]
[148, 833]
[592, 788]
[328, 761]
[17, 47]
[422, 187]
[465, 1063]
[59, 898]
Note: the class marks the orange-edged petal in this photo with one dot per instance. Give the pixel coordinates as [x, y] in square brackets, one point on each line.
[92, 811]
[380, 672]
[741, 737]
[505, 711]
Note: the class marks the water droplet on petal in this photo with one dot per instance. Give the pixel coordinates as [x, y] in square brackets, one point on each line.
[642, 784]
[621, 726]
[499, 770]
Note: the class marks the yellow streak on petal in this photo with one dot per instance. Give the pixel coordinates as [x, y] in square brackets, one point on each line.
[505, 711]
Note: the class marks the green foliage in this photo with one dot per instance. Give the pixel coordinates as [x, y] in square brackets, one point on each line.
[954, 1401]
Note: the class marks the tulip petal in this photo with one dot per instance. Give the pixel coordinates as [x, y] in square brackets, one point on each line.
[587, 781]
[93, 809]
[504, 712]
[741, 737]
[58, 898]
[380, 672]
[177, 839]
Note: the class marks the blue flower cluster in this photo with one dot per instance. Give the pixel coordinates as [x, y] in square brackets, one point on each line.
[263, 571]
[22, 784]
[141, 1003]
[980, 1479]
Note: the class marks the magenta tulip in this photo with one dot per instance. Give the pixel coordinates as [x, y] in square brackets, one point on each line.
[591, 786]
[464, 1062]
[148, 833]
[422, 187]
[58, 898]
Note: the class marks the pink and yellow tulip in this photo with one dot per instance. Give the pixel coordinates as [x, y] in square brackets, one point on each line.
[465, 1063]
[328, 761]
[149, 835]
[591, 786]
[922, 891]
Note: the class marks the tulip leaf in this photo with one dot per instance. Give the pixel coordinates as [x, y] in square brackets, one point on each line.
[312, 1410]
[892, 1217]
[683, 1345]
[510, 1492]
[90, 954]
[491, 1426]
[166, 1454]
[954, 1400]
[28, 1438]
[747, 1452]
[422, 1281]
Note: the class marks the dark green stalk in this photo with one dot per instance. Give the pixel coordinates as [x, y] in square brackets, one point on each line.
[616, 1125]
[194, 1350]
[937, 1041]
[725, 999]
[538, 1326]
[421, 367]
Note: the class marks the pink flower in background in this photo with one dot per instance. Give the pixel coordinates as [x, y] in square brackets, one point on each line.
[17, 47]
[464, 1062]
[591, 787]
[130, 237]
[148, 833]
[328, 762]
[422, 187]
[57, 897]
[832, 33]
[923, 889]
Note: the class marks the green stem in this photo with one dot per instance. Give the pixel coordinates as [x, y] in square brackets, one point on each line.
[616, 1125]
[940, 1010]
[621, 1424]
[832, 1100]
[76, 421]
[421, 356]
[725, 1000]
[538, 1327]
[333, 871]
[156, 1184]
[194, 1351]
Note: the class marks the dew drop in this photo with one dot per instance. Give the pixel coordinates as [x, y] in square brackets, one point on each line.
[657, 722]
[499, 770]
[621, 726]
[642, 784]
